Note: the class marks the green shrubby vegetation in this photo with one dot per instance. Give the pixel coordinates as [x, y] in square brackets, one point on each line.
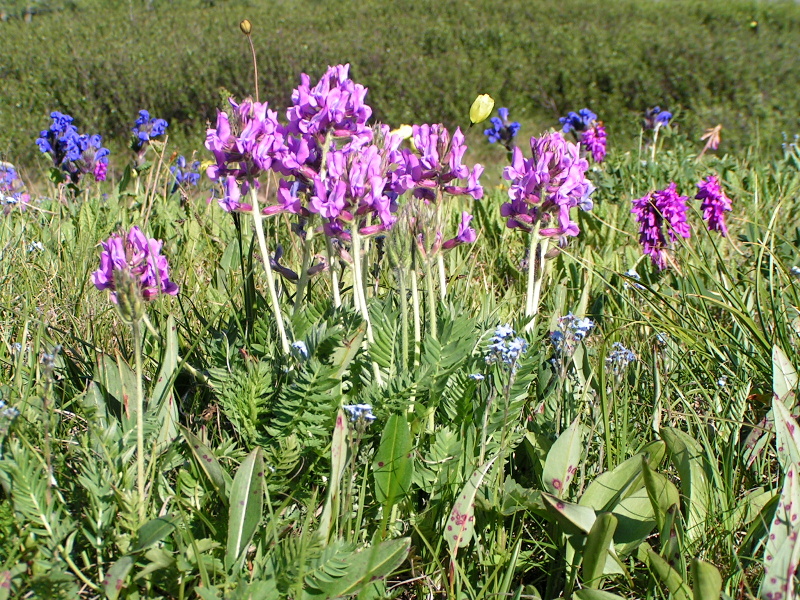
[422, 60]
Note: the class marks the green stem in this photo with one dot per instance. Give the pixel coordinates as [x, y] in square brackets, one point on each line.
[337, 299]
[415, 304]
[303, 281]
[262, 243]
[358, 293]
[401, 283]
[431, 298]
[137, 349]
[442, 278]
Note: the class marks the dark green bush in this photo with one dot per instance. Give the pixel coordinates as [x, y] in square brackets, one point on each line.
[423, 60]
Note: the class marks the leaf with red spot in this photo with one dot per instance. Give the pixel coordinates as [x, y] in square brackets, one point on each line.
[339, 444]
[787, 435]
[782, 551]
[209, 464]
[246, 505]
[461, 522]
[393, 468]
[115, 577]
[563, 459]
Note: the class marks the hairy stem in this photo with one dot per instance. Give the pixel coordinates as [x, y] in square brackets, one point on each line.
[140, 484]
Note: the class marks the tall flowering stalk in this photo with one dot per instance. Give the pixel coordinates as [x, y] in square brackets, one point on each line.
[714, 204]
[543, 191]
[654, 120]
[75, 154]
[655, 212]
[134, 270]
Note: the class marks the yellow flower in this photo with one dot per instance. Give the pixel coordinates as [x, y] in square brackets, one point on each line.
[404, 131]
[246, 27]
[481, 108]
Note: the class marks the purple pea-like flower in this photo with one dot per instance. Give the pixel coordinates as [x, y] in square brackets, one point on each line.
[594, 139]
[655, 118]
[714, 204]
[138, 257]
[545, 187]
[652, 212]
[466, 234]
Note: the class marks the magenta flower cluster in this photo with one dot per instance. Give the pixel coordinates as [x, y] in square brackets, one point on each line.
[655, 212]
[546, 187]
[714, 204]
[330, 162]
[594, 140]
[139, 257]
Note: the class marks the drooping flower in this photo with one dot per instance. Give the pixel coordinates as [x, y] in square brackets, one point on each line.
[714, 204]
[465, 235]
[652, 212]
[481, 108]
[547, 186]
[73, 153]
[594, 139]
[146, 129]
[139, 259]
[502, 130]
[655, 118]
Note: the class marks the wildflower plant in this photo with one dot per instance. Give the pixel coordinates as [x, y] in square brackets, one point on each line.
[543, 191]
[654, 120]
[588, 130]
[146, 129]
[714, 204]
[655, 212]
[74, 155]
[12, 189]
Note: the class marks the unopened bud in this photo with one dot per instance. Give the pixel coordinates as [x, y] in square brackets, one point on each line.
[481, 108]
[130, 303]
[246, 27]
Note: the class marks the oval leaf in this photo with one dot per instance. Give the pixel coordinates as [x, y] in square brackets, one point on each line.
[246, 504]
[461, 522]
[393, 467]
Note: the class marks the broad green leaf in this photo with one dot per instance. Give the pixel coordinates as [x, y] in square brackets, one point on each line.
[689, 459]
[461, 523]
[782, 552]
[787, 435]
[662, 493]
[361, 568]
[563, 460]
[706, 580]
[163, 398]
[668, 576]
[345, 354]
[152, 532]
[218, 476]
[635, 521]
[671, 537]
[393, 466]
[784, 376]
[338, 462]
[245, 507]
[595, 552]
[115, 577]
[573, 518]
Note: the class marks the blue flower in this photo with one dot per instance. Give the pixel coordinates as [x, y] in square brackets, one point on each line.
[655, 117]
[502, 130]
[504, 347]
[183, 174]
[146, 129]
[72, 152]
[359, 412]
[619, 358]
[301, 348]
[571, 330]
[477, 377]
[578, 122]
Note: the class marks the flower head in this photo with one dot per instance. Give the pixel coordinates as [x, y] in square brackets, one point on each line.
[578, 121]
[545, 187]
[139, 259]
[185, 173]
[12, 189]
[619, 358]
[571, 331]
[504, 348]
[73, 153]
[652, 212]
[502, 130]
[714, 204]
[594, 140]
[146, 129]
[655, 118]
[466, 234]
[360, 412]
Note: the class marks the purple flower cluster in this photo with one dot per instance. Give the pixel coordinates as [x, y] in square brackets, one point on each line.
[594, 139]
[578, 121]
[185, 173]
[652, 212]
[655, 118]
[502, 130]
[330, 161]
[547, 186]
[12, 190]
[72, 152]
[140, 258]
[146, 129]
[714, 204]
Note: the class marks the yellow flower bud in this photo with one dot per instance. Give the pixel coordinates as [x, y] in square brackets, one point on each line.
[246, 27]
[481, 108]
[404, 131]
